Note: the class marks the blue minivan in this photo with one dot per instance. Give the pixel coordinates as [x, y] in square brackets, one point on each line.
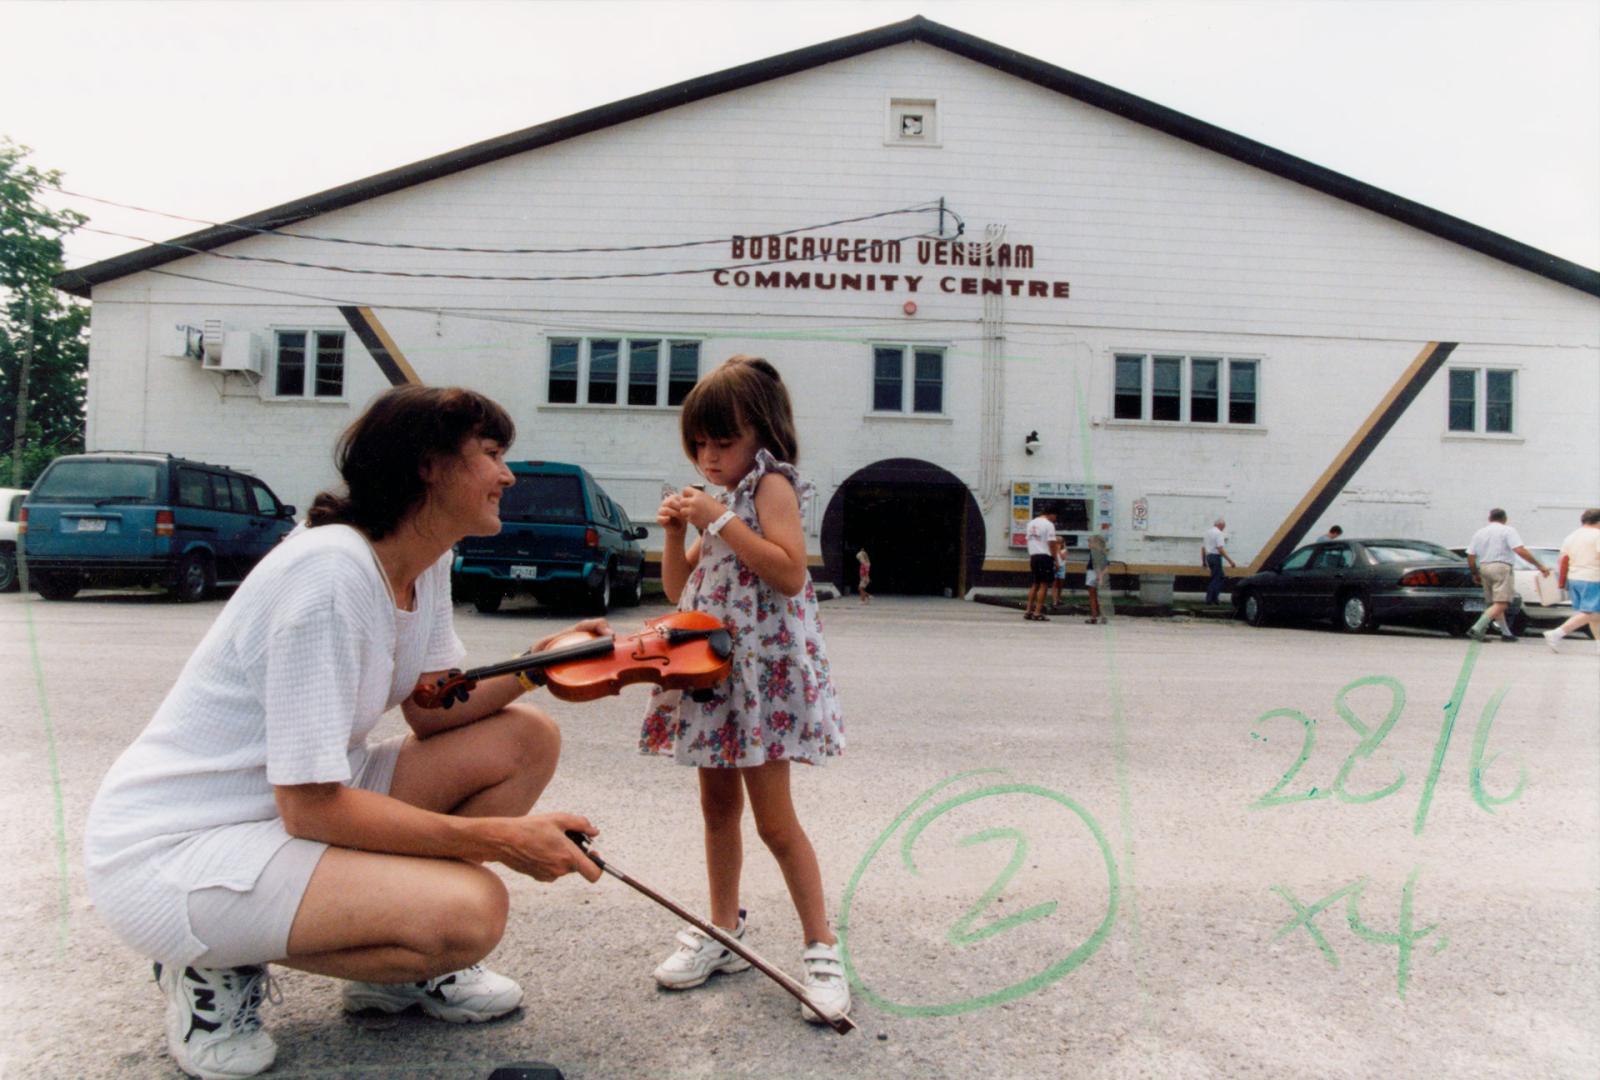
[110, 519]
[561, 538]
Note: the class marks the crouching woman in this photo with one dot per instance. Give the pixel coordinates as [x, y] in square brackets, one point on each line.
[252, 822]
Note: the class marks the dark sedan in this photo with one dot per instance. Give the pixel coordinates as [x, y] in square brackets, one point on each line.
[1360, 584]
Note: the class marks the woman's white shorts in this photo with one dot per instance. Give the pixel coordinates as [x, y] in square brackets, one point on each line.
[252, 927]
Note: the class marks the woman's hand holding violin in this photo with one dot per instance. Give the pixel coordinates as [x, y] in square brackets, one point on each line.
[591, 627]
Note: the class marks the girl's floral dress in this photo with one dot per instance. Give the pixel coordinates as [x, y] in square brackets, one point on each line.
[778, 704]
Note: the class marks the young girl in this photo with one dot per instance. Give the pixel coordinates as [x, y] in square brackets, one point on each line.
[748, 568]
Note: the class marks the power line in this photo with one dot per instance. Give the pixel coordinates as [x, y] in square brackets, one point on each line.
[257, 231]
[298, 264]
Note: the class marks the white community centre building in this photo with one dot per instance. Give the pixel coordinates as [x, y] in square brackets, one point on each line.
[993, 287]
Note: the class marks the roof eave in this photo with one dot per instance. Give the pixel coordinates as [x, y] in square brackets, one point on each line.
[80, 282]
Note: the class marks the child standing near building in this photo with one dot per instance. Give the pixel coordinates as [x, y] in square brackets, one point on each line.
[865, 562]
[748, 568]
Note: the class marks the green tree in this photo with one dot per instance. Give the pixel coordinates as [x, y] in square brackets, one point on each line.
[44, 340]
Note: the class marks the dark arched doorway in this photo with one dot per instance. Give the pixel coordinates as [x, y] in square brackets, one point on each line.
[919, 523]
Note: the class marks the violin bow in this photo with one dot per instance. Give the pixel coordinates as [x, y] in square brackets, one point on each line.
[837, 1021]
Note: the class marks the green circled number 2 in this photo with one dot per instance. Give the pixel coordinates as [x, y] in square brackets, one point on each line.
[962, 932]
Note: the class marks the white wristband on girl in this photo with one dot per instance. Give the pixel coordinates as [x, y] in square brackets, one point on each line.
[716, 526]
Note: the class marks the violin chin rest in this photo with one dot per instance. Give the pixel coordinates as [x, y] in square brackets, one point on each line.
[721, 643]
[703, 695]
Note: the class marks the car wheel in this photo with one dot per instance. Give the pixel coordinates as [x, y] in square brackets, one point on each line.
[8, 570]
[195, 579]
[486, 598]
[633, 595]
[1255, 611]
[1458, 627]
[1355, 614]
[598, 600]
[56, 586]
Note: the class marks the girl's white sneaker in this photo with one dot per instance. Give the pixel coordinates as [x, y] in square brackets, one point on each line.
[825, 982]
[698, 958]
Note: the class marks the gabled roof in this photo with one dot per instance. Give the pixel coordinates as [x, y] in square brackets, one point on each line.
[1086, 90]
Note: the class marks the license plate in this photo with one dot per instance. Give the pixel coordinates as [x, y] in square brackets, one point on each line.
[1472, 605]
[525, 573]
[91, 524]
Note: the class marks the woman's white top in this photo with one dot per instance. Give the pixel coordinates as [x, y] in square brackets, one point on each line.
[298, 668]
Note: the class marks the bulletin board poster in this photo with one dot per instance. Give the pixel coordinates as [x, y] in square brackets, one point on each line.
[1080, 509]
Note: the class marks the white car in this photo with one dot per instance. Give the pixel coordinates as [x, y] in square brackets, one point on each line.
[1533, 586]
[10, 510]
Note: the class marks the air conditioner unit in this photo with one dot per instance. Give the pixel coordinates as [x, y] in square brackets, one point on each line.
[242, 350]
[185, 342]
[211, 342]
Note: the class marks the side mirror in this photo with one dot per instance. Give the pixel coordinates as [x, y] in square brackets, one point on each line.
[639, 533]
[285, 510]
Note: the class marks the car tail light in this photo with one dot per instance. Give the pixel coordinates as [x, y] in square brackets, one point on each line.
[591, 537]
[1421, 577]
[163, 522]
[22, 522]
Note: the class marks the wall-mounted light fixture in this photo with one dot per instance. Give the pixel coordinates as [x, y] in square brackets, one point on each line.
[1031, 442]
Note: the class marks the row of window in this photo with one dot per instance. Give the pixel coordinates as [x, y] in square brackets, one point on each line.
[618, 371]
[1185, 389]
[652, 372]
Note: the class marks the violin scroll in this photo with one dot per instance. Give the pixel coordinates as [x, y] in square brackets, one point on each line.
[453, 686]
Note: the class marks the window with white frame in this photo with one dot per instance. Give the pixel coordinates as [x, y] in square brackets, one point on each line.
[637, 371]
[1185, 389]
[308, 364]
[1482, 400]
[907, 379]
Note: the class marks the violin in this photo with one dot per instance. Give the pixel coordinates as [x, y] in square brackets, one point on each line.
[687, 650]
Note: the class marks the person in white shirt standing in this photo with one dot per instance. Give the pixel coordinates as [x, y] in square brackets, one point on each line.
[252, 822]
[1489, 556]
[1042, 547]
[1212, 554]
[1580, 576]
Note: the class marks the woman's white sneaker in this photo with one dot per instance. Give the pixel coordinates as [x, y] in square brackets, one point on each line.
[214, 1020]
[825, 982]
[700, 956]
[469, 996]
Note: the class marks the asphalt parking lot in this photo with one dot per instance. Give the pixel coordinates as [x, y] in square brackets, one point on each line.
[1159, 848]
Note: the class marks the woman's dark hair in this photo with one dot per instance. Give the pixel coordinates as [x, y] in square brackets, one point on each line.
[745, 392]
[383, 454]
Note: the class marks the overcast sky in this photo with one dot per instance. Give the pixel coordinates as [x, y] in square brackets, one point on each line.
[1486, 110]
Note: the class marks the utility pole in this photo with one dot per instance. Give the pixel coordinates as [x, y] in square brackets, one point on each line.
[20, 429]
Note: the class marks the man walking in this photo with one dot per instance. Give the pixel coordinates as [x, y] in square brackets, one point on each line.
[1580, 576]
[1489, 558]
[1042, 546]
[1212, 554]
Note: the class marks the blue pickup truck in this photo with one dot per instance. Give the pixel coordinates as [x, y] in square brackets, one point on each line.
[561, 538]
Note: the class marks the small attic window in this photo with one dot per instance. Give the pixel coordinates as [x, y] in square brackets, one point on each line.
[912, 122]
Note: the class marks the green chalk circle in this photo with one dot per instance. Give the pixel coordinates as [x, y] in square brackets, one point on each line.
[963, 932]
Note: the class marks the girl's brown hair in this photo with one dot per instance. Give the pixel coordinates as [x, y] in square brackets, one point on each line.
[745, 392]
[383, 454]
